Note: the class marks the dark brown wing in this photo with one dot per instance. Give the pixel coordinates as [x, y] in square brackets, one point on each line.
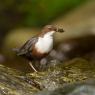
[27, 47]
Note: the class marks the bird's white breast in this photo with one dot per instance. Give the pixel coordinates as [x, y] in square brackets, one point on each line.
[45, 44]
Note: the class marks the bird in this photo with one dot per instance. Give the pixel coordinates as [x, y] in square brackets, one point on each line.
[39, 46]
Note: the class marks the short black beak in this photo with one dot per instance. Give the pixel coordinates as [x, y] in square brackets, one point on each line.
[60, 30]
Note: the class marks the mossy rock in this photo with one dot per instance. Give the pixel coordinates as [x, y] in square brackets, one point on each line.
[75, 70]
[80, 88]
[13, 82]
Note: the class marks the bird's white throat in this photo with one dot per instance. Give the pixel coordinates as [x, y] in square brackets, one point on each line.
[45, 43]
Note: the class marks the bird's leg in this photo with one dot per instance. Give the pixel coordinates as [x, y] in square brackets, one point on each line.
[43, 63]
[30, 63]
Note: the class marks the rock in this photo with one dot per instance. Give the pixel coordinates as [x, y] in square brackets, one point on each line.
[77, 22]
[82, 88]
[58, 75]
[77, 47]
[13, 82]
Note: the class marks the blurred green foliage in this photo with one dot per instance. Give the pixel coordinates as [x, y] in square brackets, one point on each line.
[43, 11]
[33, 12]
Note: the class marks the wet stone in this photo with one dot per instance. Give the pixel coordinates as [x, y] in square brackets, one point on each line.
[75, 70]
[13, 82]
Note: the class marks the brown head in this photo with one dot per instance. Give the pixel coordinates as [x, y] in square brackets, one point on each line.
[49, 28]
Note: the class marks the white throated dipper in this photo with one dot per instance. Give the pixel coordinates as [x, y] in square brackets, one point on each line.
[39, 46]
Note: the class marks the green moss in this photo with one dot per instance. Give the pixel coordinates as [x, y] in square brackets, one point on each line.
[72, 71]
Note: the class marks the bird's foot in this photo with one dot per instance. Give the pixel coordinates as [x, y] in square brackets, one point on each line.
[30, 63]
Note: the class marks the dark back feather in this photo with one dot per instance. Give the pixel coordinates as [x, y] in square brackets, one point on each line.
[27, 47]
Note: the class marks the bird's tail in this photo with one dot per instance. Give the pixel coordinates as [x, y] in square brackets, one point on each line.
[19, 52]
[15, 50]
